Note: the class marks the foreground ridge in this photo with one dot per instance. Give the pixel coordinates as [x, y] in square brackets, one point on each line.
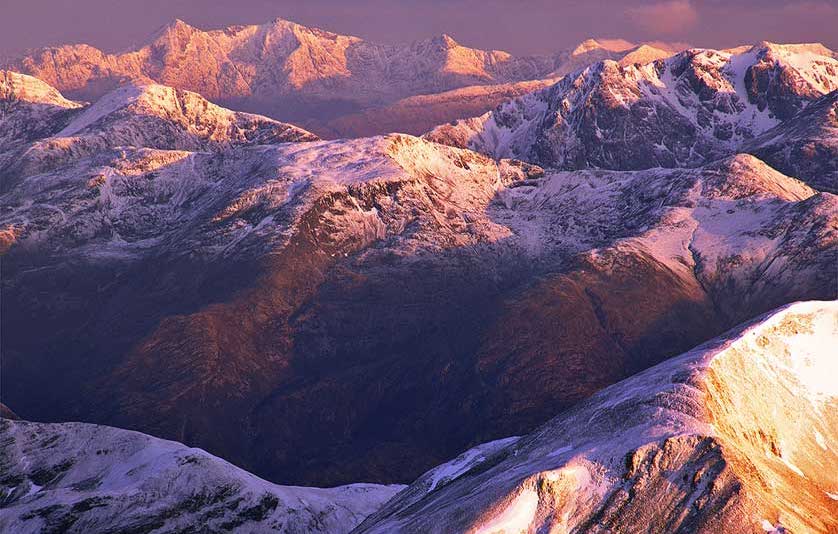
[77, 477]
[737, 435]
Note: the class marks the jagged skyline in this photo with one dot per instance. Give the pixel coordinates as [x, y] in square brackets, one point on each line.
[529, 27]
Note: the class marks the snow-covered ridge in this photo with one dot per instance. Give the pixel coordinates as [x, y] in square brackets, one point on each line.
[201, 119]
[683, 111]
[721, 241]
[75, 477]
[733, 435]
[16, 87]
[30, 109]
[147, 116]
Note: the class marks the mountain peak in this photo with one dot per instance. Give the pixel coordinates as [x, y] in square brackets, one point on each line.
[21, 87]
[443, 41]
[610, 45]
[174, 28]
[586, 46]
[794, 48]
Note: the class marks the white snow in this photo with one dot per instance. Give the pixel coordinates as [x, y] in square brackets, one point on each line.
[515, 517]
[447, 472]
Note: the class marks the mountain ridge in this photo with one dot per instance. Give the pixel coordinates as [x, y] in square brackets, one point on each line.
[297, 73]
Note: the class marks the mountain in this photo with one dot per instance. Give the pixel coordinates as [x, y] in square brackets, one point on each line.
[302, 74]
[40, 129]
[76, 477]
[326, 312]
[29, 109]
[736, 435]
[419, 114]
[692, 108]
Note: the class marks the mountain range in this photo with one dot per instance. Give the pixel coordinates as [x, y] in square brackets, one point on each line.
[311, 76]
[514, 288]
[257, 282]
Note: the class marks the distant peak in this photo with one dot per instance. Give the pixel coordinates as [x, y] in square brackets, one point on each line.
[612, 45]
[444, 40]
[179, 24]
[814, 48]
[175, 27]
[586, 46]
[279, 21]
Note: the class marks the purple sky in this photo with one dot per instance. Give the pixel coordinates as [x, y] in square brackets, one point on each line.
[519, 26]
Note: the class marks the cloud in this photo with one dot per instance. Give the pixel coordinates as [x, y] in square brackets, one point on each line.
[664, 18]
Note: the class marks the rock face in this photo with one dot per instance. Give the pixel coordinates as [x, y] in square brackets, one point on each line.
[684, 111]
[82, 478]
[328, 312]
[805, 145]
[736, 435]
[292, 72]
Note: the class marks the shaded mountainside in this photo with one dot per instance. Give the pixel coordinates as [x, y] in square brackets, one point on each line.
[82, 478]
[328, 312]
[684, 111]
[805, 145]
[737, 435]
[302, 74]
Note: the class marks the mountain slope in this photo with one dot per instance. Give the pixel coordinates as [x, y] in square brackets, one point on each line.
[302, 74]
[735, 435]
[275, 304]
[75, 477]
[683, 111]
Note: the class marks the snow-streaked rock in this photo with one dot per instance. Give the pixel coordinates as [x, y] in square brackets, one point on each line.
[76, 477]
[806, 145]
[734, 435]
[684, 111]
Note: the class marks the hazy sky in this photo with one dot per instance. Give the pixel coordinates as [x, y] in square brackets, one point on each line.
[519, 26]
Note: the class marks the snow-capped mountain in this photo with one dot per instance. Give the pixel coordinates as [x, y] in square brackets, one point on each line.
[40, 129]
[82, 478]
[737, 435]
[329, 312]
[683, 111]
[29, 109]
[293, 72]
